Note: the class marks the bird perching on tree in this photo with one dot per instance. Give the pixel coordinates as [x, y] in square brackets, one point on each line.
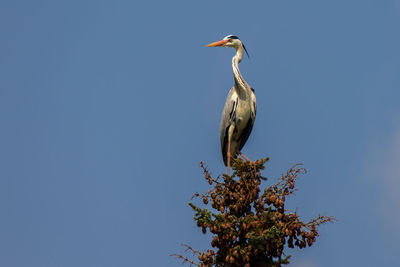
[239, 111]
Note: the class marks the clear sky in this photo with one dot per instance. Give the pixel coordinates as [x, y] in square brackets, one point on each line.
[107, 107]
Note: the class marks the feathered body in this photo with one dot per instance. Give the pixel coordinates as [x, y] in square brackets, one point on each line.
[237, 121]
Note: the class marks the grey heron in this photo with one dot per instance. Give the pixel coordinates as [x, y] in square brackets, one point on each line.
[239, 111]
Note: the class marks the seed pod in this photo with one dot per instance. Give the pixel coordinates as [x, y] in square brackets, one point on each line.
[235, 253]
[286, 231]
[291, 185]
[227, 258]
[213, 204]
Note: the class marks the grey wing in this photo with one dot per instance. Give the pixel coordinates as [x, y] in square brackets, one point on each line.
[249, 126]
[227, 119]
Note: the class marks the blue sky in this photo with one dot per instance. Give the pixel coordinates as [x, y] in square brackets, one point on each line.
[107, 107]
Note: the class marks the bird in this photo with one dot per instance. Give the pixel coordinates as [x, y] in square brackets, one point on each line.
[239, 112]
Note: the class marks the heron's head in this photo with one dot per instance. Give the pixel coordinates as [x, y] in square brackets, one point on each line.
[230, 41]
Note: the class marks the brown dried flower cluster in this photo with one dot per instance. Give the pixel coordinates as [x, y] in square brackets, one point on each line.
[250, 227]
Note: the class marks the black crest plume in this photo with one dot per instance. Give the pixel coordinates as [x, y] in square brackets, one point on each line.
[246, 50]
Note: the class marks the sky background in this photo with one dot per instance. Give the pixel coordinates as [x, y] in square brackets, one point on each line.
[107, 108]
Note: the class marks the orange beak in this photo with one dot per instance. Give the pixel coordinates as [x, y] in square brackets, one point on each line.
[219, 43]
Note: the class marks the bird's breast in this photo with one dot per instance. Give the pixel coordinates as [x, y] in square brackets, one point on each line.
[243, 113]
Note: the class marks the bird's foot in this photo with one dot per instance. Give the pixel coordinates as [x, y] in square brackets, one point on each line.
[251, 162]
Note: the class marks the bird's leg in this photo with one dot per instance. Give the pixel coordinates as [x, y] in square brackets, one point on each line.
[229, 156]
[246, 158]
[252, 162]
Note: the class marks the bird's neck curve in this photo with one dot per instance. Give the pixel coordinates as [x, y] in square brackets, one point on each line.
[241, 84]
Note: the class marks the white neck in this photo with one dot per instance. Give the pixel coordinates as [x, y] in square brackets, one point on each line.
[241, 84]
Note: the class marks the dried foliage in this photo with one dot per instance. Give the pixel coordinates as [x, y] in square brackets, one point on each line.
[250, 227]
